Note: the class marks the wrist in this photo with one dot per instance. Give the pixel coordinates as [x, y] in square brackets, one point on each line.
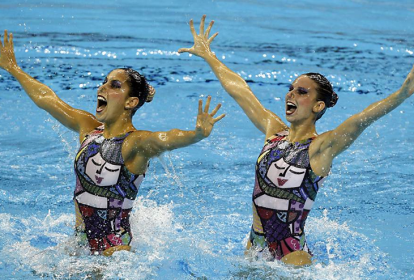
[209, 56]
[13, 69]
[198, 135]
[404, 92]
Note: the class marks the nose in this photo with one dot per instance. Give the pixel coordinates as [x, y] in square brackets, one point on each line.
[283, 174]
[290, 94]
[99, 171]
[101, 88]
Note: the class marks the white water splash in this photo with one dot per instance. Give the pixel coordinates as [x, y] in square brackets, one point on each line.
[27, 247]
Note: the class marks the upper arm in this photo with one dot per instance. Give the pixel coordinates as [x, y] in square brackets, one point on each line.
[334, 142]
[155, 143]
[344, 135]
[265, 120]
[328, 145]
[77, 120]
[150, 144]
[46, 99]
[274, 124]
[238, 89]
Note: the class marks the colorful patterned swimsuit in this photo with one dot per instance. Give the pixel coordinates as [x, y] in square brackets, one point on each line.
[104, 194]
[283, 195]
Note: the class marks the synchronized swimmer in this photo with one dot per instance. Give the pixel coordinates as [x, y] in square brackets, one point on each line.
[113, 156]
[295, 160]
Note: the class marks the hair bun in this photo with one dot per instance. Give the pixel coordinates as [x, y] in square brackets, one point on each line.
[151, 93]
[334, 99]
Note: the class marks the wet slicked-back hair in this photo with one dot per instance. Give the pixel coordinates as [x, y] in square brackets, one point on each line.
[139, 87]
[324, 90]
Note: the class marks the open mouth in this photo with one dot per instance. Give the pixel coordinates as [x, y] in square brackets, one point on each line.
[101, 104]
[290, 108]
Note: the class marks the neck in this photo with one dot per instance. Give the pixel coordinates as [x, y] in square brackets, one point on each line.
[298, 132]
[121, 126]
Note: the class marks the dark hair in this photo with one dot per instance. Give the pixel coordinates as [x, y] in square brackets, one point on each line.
[324, 90]
[139, 87]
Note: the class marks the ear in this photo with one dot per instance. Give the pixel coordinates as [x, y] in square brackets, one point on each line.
[131, 103]
[319, 106]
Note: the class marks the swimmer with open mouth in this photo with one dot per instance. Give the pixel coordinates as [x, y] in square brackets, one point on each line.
[114, 155]
[295, 159]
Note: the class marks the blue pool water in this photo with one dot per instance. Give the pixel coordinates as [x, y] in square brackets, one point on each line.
[193, 211]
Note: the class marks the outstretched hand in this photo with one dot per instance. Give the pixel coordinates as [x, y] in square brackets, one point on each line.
[202, 41]
[7, 58]
[408, 85]
[206, 120]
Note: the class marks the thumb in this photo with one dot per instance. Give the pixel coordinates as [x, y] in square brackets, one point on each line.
[183, 50]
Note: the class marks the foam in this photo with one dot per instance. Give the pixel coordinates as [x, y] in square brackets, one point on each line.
[339, 253]
[47, 246]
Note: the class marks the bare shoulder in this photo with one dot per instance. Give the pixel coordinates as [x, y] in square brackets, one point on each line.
[137, 137]
[88, 127]
[318, 143]
[140, 134]
[135, 151]
[133, 144]
[275, 124]
[320, 156]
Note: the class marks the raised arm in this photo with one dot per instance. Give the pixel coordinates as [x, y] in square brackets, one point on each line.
[265, 120]
[150, 144]
[44, 97]
[332, 143]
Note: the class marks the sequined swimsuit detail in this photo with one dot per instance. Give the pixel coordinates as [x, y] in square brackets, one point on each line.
[104, 194]
[284, 192]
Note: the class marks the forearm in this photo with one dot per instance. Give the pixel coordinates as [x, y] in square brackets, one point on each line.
[382, 107]
[46, 99]
[235, 85]
[342, 137]
[38, 92]
[237, 88]
[176, 138]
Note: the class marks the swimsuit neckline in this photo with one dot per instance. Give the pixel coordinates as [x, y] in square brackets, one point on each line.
[101, 129]
[120, 136]
[302, 141]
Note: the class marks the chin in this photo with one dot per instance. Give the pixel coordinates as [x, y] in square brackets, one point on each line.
[99, 118]
[293, 120]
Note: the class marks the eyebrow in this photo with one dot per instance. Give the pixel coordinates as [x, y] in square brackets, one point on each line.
[291, 85]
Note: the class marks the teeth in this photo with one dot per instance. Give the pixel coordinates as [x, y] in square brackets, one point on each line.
[101, 98]
[291, 104]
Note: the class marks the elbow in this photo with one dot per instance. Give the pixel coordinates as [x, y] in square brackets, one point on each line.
[45, 101]
[163, 142]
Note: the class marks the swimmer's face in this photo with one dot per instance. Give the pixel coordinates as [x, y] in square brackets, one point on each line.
[301, 100]
[113, 100]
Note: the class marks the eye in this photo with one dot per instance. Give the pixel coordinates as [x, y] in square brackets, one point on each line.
[296, 172]
[290, 87]
[94, 162]
[116, 84]
[302, 90]
[105, 81]
[111, 170]
[278, 167]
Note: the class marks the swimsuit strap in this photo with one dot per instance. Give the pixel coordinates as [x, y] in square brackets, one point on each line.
[96, 131]
[123, 136]
[284, 134]
[99, 130]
